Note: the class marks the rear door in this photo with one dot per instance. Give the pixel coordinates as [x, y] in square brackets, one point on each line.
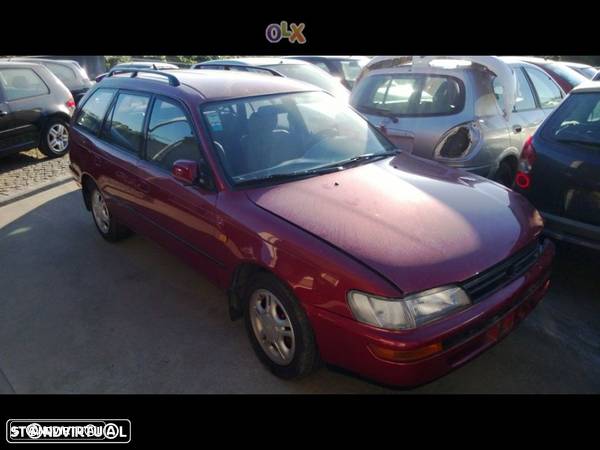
[186, 215]
[526, 115]
[117, 153]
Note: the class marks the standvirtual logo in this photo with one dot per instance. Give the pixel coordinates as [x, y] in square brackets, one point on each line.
[277, 31]
[115, 431]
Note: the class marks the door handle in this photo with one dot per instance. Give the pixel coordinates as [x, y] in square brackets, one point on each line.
[517, 128]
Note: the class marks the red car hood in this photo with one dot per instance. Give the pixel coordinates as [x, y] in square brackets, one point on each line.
[416, 222]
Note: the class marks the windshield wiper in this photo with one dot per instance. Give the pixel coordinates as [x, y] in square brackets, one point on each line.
[361, 158]
[579, 141]
[288, 176]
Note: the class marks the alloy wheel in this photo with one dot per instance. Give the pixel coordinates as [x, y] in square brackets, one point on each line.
[58, 138]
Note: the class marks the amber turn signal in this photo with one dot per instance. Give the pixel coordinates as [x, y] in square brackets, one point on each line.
[405, 355]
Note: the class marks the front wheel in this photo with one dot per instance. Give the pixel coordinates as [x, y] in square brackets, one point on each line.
[55, 138]
[279, 329]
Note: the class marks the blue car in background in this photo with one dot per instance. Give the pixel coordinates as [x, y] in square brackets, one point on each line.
[559, 169]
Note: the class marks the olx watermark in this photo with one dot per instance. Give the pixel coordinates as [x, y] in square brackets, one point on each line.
[277, 31]
[117, 431]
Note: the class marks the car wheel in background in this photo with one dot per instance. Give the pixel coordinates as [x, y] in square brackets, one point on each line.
[108, 226]
[55, 138]
[505, 174]
[279, 329]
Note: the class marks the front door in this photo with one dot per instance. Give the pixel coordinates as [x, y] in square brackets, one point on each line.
[186, 214]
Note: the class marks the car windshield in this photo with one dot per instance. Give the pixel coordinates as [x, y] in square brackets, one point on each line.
[309, 74]
[286, 136]
[410, 95]
[576, 121]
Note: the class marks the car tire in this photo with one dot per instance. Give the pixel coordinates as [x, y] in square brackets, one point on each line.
[106, 223]
[286, 313]
[505, 174]
[54, 141]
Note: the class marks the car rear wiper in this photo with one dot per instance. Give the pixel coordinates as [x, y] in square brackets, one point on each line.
[379, 112]
[579, 141]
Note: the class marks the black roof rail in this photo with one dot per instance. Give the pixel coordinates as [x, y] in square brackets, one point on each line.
[173, 81]
[239, 67]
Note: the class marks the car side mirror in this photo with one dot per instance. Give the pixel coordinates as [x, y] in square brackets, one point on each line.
[191, 172]
[185, 171]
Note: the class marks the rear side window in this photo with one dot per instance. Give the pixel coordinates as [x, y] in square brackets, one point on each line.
[576, 121]
[411, 95]
[21, 83]
[64, 74]
[524, 99]
[548, 92]
[92, 114]
[170, 136]
[125, 123]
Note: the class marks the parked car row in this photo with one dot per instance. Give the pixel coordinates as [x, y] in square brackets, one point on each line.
[266, 181]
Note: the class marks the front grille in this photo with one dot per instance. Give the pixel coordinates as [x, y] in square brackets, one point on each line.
[484, 283]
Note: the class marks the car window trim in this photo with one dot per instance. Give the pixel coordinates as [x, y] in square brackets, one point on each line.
[48, 91]
[111, 108]
[188, 117]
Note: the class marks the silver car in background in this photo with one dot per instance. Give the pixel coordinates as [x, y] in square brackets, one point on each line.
[470, 112]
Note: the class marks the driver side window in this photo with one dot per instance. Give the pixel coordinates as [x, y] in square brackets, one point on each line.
[170, 136]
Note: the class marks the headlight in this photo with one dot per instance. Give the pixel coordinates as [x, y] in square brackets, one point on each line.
[458, 142]
[409, 312]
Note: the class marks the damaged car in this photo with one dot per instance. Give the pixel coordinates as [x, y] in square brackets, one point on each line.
[332, 245]
[468, 112]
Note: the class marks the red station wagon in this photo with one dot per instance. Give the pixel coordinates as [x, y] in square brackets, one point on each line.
[332, 244]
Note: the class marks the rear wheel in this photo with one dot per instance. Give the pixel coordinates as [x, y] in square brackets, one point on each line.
[278, 329]
[55, 138]
[107, 225]
[505, 174]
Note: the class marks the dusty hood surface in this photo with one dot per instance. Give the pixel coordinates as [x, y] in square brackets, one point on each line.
[416, 222]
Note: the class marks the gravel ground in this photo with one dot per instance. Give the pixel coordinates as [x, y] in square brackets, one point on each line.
[26, 170]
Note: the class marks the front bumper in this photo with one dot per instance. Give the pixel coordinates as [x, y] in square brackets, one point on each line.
[464, 335]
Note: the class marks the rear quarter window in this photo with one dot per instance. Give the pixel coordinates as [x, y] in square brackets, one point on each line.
[549, 94]
[411, 95]
[21, 83]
